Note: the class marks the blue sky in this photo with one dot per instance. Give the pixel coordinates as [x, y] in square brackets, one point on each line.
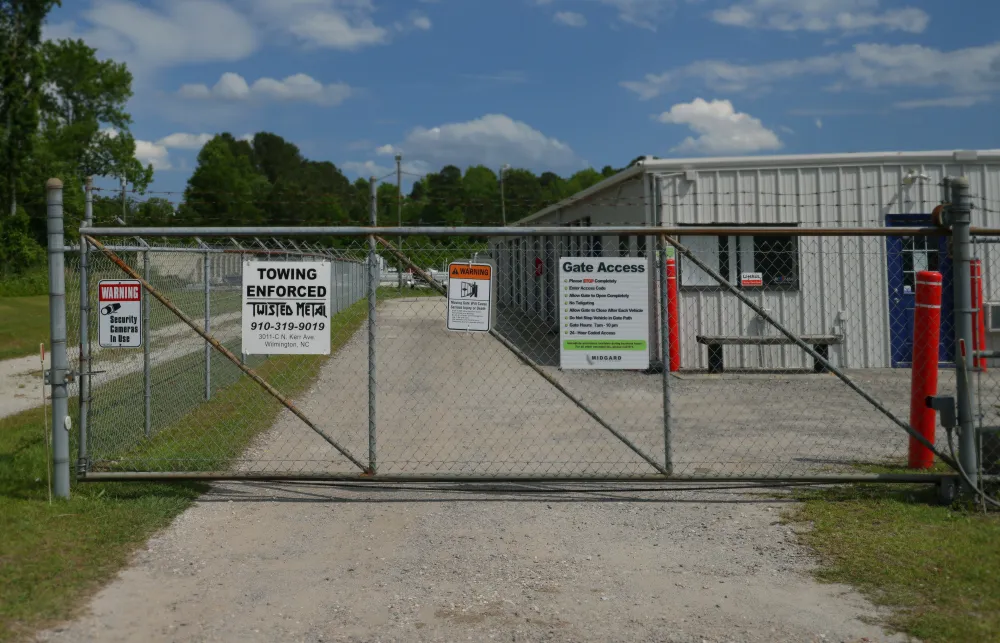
[548, 84]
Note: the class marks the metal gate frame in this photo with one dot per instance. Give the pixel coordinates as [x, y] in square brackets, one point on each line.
[662, 471]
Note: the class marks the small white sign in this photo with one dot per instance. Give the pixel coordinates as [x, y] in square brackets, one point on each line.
[470, 297]
[752, 279]
[286, 308]
[120, 313]
[604, 313]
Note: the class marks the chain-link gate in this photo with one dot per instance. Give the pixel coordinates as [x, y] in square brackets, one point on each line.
[792, 366]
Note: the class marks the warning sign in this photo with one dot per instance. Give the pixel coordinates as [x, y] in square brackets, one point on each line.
[470, 297]
[752, 279]
[120, 313]
[286, 308]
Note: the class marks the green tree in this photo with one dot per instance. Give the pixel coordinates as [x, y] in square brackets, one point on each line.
[225, 188]
[22, 76]
[482, 193]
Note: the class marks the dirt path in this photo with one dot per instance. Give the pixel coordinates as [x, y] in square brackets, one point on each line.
[21, 377]
[284, 562]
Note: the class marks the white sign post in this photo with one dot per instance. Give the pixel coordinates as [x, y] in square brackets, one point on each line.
[470, 297]
[286, 308]
[604, 313]
[120, 313]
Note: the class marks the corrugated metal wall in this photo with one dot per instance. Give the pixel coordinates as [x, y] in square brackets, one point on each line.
[843, 281]
[843, 285]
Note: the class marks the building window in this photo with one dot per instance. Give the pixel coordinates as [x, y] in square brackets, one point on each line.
[775, 257]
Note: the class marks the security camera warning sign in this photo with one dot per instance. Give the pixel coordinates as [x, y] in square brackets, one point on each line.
[119, 311]
[470, 290]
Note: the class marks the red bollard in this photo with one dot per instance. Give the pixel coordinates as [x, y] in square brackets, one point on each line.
[979, 327]
[672, 318]
[926, 336]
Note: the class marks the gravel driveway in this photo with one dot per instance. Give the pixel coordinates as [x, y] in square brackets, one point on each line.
[301, 562]
[282, 562]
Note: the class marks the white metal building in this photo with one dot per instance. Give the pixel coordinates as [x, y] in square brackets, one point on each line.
[859, 288]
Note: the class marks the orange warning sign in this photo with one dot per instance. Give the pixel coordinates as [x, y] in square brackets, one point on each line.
[470, 271]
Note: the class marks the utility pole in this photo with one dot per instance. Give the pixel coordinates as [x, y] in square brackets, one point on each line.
[124, 183]
[399, 212]
[503, 204]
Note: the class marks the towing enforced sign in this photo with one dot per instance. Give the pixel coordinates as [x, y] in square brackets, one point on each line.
[286, 308]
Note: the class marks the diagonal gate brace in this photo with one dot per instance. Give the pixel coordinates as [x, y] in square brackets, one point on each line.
[531, 364]
[225, 351]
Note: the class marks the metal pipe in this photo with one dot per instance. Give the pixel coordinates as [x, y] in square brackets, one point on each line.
[722, 281]
[530, 364]
[373, 281]
[147, 362]
[84, 396]
[100, 476]
[661, 270]
[57, 329]
[960, 217]
[491, 231]
[208, 326]
[287, 403]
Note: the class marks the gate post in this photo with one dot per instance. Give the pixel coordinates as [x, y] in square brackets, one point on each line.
[960, 215]
[208, 325]
[666, 344]
[147, 363]
[57, 328]
[373, 279]
[84, 397]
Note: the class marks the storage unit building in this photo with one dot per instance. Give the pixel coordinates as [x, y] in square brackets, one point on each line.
[859, 288]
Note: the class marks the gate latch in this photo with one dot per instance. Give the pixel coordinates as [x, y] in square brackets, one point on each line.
[945, 406]
[70, 376]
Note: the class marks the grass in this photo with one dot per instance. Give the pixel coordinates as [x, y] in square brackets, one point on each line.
[24, 324]
[935, 567]
[54, 556]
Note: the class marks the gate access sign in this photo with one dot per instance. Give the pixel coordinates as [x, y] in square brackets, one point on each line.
[470, 297]
[120, 312]
[286, 308]
[604, 313]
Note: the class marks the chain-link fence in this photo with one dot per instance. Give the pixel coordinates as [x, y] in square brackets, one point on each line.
[787, 356]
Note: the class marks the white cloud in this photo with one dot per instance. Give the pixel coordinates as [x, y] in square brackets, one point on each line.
[645, 14]
[492, 140]
[386, 150]
[819, 123]
[821, 16]
[183, 31]
[148, 152]
[948, 101]
[346, 25]
[720, 128]
[973, 70]
[298, 87]
[570, 19]
[185, 141]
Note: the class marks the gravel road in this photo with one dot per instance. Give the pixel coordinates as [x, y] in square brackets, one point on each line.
[299, 562]
[282, 562]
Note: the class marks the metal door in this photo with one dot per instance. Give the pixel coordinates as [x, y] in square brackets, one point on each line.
[906, 256]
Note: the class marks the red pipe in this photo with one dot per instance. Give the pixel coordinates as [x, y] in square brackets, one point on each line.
[979, 334]
[672, 316]
[924, 372]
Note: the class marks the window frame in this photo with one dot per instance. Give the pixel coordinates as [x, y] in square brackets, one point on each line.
[732, 251]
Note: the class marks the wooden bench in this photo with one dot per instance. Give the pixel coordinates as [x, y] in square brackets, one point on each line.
[820, 343]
